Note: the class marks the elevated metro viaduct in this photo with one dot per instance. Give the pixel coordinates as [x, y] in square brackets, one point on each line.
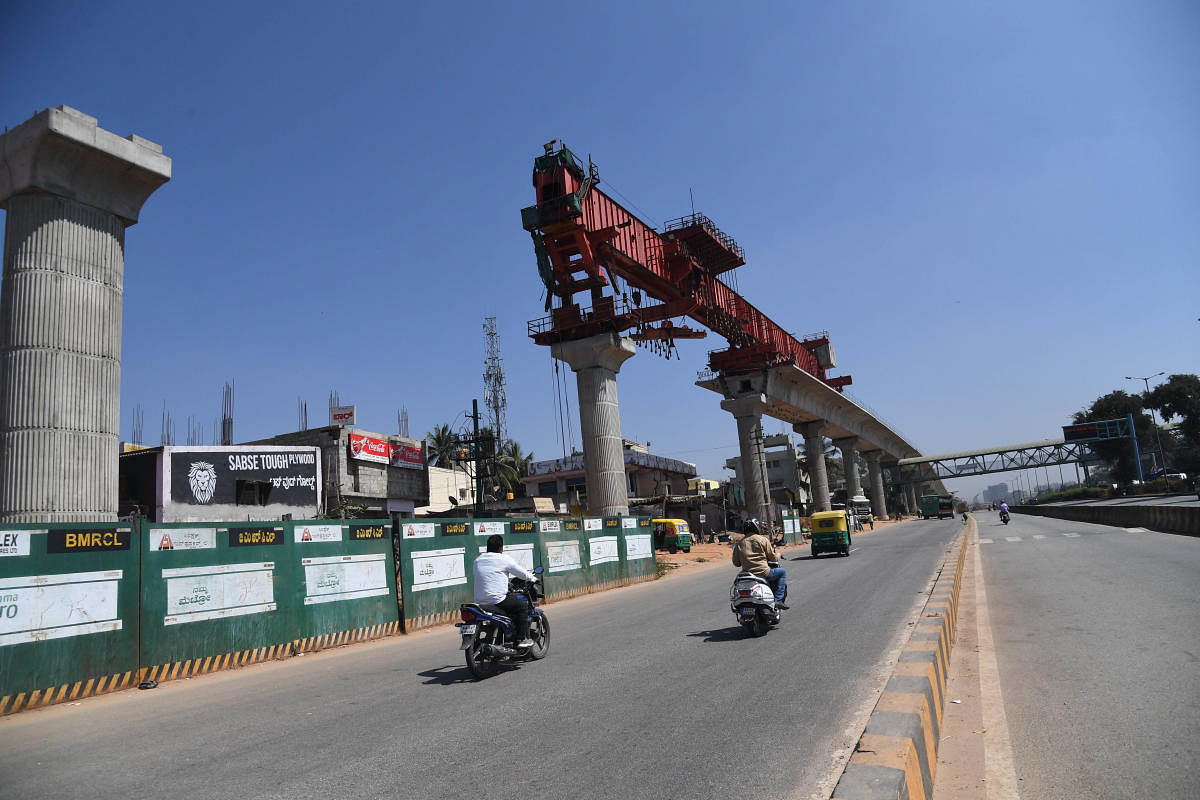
[816, 411]
[639, 278]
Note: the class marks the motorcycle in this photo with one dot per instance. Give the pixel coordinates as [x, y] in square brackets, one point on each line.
[1004, 517]
[489, 636]
[753, 602]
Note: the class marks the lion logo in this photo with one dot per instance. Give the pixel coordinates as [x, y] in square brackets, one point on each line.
[203, 480]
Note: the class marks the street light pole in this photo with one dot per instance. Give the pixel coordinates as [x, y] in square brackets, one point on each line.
[1162, 457]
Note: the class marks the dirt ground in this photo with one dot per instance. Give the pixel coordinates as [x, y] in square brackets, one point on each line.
[722, 552]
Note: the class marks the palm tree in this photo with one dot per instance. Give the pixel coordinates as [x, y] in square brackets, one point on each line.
[443, 446]
[514, 465]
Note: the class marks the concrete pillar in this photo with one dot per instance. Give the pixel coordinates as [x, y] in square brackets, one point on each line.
[596, 362]
[814, 455]
[850, 465]
[878, 498]
[70, 189]
[747, 411]
[910, 497]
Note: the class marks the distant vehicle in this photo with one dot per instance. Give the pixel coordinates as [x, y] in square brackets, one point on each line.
[933, 505]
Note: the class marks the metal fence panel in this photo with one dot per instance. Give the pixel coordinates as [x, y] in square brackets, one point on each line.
[68, 611]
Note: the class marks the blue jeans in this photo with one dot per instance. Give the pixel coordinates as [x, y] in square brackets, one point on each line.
[777, 577]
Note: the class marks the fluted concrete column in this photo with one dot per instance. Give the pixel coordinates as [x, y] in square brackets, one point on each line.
[747, 412]
[596, 362]
[878, 498]
[814, 456]
[850, 466]
[910, 490]
[70, 189]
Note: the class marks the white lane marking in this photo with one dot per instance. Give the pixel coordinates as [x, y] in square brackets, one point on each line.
[853, 549]
[1012, 538]
[999, 771]
[985, 541]
[1039, 536]
[1136, 530]
[1071, 535]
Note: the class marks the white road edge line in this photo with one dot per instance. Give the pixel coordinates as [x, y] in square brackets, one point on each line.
[999, 769]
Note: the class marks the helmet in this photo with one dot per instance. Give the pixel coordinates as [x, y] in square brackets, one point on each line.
[751, 527]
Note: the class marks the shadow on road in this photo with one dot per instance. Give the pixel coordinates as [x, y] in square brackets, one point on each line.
[447, 676]
[735, 634]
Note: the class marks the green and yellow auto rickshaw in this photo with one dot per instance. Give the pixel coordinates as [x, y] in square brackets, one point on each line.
[672, 535]
[830, 533]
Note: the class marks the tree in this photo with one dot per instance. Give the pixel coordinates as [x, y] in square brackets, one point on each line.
[1179, 397]
[1118, 453]
[518, 461]
[442, 446]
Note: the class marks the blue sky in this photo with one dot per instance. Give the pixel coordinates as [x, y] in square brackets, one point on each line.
[994, 209]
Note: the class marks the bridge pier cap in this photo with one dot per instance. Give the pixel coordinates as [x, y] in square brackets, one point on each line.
[64, 152]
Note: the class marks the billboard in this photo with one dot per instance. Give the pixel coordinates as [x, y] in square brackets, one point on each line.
[219, 476]
[342, 415]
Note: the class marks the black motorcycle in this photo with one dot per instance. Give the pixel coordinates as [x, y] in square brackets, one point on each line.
[489, 636]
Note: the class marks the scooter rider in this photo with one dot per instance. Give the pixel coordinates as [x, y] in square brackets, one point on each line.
[492, 570]
[752, 554]
[1003, 507]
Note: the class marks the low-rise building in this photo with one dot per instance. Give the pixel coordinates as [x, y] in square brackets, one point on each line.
[646, 475]
[220, 483]
[383, 473]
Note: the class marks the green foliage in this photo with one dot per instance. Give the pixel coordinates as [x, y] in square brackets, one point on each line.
[442, 446]
[1076, 493]
[1179, 397]
[346, 509]
[1118, 454]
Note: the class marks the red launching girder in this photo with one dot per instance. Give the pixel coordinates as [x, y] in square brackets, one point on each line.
[585, 239]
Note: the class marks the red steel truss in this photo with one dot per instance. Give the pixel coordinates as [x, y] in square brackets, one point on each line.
[586, 241]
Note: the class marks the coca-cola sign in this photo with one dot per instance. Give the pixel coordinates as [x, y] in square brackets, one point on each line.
[406, 455]
[368, 448]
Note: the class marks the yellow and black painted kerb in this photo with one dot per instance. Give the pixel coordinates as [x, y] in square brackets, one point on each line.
[202, 666]
[896, 756]
[11, 704]
[315, 643]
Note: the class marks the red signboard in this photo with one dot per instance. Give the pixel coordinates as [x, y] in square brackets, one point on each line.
[381, 451]
[368, 448]
[404, 455]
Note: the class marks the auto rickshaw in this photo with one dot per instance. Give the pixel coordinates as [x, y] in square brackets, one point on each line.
[830, 533]
[672, 535]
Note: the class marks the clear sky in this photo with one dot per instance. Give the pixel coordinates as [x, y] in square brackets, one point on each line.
[993, 208]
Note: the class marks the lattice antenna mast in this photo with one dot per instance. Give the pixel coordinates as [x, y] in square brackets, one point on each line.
[494, 398]
[135, 433]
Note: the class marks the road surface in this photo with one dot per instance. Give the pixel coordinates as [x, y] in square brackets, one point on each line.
[648, 692]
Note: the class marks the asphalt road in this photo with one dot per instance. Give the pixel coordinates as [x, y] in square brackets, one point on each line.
[1097, 643]
[648, 692]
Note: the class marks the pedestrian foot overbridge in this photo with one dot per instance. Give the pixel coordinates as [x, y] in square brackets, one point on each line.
[815, 410]
[1043, 453]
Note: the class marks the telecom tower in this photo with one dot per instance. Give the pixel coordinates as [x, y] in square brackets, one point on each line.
[493, 384]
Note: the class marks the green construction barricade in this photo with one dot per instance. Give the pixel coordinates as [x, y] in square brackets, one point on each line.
[604, 553]
[68, 611]
[216, 595]
[435, 569]
[638, 562]
[347, 586]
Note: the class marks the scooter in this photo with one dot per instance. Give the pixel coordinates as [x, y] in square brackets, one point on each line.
[753, 602]
[1004, 517]
[489, 636]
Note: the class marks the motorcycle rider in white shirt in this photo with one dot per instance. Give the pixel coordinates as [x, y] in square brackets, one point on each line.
[492, 571]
